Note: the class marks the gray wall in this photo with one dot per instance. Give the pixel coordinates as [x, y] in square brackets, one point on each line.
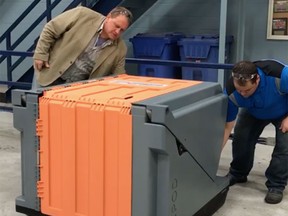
[186, 16]
[246, 21]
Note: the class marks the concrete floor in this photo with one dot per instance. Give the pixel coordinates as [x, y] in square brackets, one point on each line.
[242, 200]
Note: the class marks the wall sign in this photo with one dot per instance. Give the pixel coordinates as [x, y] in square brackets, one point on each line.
[277, 20]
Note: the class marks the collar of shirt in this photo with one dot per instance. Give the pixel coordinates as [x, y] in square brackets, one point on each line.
[102, 43]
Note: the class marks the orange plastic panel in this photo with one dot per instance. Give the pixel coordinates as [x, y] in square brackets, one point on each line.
[85, 134]
[117, 90]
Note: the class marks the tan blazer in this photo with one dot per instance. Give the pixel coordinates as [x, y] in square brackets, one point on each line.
[66, 36]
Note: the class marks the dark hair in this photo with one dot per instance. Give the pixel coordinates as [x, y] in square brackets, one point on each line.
[243, 72]
[122, 11]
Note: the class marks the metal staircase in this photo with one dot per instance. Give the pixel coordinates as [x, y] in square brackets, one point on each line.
[15, 58]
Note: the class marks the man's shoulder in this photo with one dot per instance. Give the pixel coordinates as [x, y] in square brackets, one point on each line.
[121, 43]
[270, 67]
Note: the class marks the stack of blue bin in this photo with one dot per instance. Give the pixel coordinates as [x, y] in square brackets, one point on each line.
[161, 46]
[202, 48]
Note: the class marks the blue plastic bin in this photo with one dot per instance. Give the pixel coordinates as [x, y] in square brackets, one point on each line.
[202, 48]
[162, 46]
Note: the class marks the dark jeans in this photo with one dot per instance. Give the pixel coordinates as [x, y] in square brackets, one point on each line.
[246, 133]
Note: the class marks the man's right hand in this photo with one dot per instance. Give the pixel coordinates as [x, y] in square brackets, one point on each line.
[39, 64]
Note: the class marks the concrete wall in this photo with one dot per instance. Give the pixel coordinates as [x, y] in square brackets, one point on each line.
[186, 16]
[246, 21]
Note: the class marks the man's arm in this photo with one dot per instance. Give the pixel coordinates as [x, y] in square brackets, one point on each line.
[228, 128]
[54, 29]
[270, 67]
[119, 66]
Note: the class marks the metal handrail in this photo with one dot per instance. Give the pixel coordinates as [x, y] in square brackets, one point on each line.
[128, 61]
[18, 20]
[16, 53]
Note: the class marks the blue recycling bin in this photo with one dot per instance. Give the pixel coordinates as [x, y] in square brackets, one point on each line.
[202, 48]
[162, 46]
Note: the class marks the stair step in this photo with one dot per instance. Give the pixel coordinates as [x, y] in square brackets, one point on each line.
[6, 107]
[3, 90]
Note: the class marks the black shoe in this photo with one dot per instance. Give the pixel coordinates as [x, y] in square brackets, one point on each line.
[233, 180]
[274, 196]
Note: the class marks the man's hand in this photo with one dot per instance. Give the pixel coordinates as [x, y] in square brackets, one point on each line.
[39, 64]
[228, 128]
[284, 125]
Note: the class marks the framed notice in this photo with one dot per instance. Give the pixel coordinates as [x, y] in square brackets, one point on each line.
[280, 6]
[277, 20]
[279, 26]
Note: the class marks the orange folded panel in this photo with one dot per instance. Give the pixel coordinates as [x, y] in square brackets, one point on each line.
[85, 134]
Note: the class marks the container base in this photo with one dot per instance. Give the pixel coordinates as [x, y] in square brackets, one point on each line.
[28, 211]
[214, 204]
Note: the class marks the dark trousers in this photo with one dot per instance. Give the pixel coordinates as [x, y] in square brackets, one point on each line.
[246, 133]
[35, 84]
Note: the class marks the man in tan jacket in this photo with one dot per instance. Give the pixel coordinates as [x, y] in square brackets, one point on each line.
[81, 44]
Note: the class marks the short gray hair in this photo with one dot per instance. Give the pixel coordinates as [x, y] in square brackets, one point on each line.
[122, 11]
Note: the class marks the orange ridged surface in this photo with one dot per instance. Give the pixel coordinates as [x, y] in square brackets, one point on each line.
[85, 133]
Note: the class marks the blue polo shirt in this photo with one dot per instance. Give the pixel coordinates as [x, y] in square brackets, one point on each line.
[267, 102]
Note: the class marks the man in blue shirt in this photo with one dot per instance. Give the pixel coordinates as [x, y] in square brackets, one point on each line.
[260, 89]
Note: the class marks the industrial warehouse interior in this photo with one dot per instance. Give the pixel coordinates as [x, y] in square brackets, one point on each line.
[183, 40]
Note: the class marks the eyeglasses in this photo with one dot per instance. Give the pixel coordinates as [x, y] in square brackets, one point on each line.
[245, 77]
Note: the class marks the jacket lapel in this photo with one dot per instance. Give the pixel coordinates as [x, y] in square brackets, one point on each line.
[104, 55]
[91, 32]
